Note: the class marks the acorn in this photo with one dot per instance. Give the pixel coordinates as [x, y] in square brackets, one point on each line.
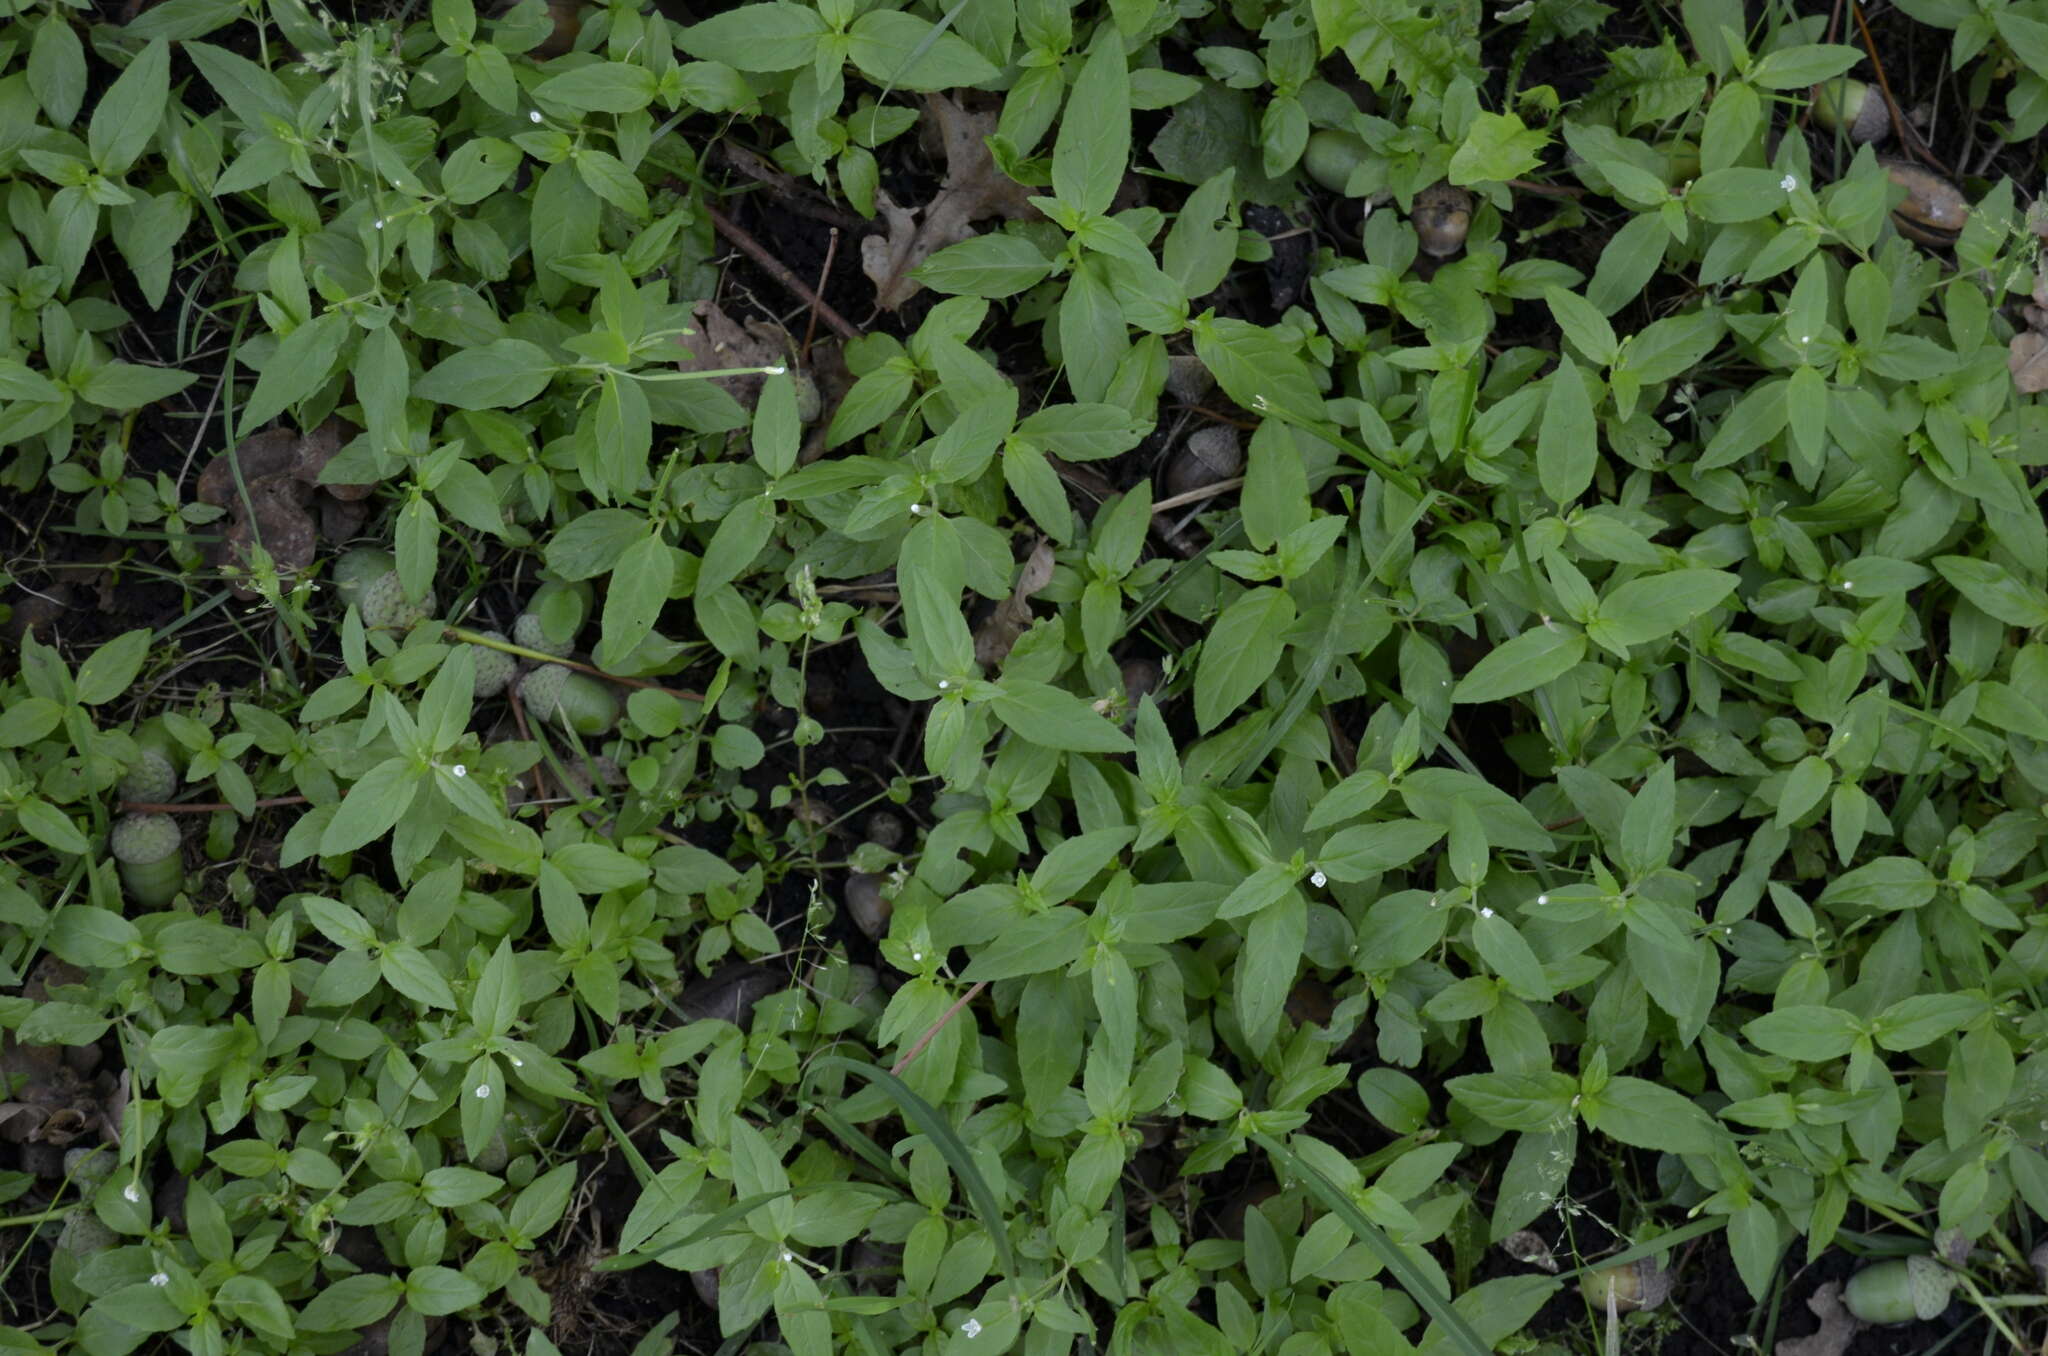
[1852, 108]
[1188, 378]
[495, 669]
[148, 849]
[884, 830]
[1900, 1290]
[1442, 217]
[1331, 157]
[1627, 1286]
[151, 781]
[572, 700]
[1934, 210]
[1210, 455]
[866, 904]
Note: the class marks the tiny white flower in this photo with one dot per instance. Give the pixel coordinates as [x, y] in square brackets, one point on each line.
[944, 683]
[1805, 338]
[1485, 912]
[1848, 586]
[1258, 402]
[459, 770]
[774, 371]
[1432, 901]
[918, 510]
[971, 1329]
[917, 955]
[1788, 183]
[377, 225]
[1319, 880]
[517, 1062]
[788, 1256]
[1542, 899]
[160, 1279]
[533, 116]
[132, 1194]
[483, 1090]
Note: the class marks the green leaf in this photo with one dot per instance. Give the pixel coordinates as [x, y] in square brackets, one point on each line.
[1537, 656]
[639, 589]
[128, 113]
[1241, 651]
[1094, 144]
[373, 805]
[1518, 1101]
[1046, 941]
[773, 37]
[901, 51]
[498, 375]
[1644, 610]
[1057, 719]
[1798, 67]
[991, 265]
[1568, 440]
[1807, 1032]
[1255, 368]
[1995, 590]
[1365, 850]
[1266, 967]
[603, 87]
[299, 367]
[1497, 146]
[1648, 1116]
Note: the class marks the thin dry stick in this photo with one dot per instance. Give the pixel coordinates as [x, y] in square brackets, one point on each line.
[1197, 495]
[1908, 138]
[150, 807]
[779, 271]
[935, 1028]
[824, 276]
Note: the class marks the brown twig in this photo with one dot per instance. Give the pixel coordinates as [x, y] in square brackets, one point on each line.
[1908, 138]
[1547, 190]
[779, 271]
[824, 275]
[1198, 494]
[935, 1028]
[197, 807]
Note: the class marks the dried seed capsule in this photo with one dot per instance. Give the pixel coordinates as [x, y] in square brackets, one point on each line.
[1210, 454]
[1640, 1284]
[1934, 210]
[1899, 1290]
[1442, 218]
[1854, 109]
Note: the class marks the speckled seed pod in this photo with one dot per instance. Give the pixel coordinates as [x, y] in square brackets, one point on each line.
[356, 569]
[147, 849]
[152, 781]
[529, 634]
[495, 669]
[884, 829]
[1852, 108]
[1442, 218]
[1900, 1290]
[385, 607]
[1211, 454]
[1640, 1284]
[1934, 210]
[572, 700]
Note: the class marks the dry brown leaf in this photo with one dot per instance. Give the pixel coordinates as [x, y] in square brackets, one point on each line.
[974, 190]
[2028, 362]
[1838, 1326]
[994, 638]
[722, 342]
[282, 471]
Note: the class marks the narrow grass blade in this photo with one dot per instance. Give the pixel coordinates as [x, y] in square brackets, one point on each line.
[1419, 1287]
[933, 1126]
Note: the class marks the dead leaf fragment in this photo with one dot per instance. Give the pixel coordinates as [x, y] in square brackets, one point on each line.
[974, 190]
[1838, 1327]
[996, 635]
[282, 472]
[722, 342]
[2027, 360]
